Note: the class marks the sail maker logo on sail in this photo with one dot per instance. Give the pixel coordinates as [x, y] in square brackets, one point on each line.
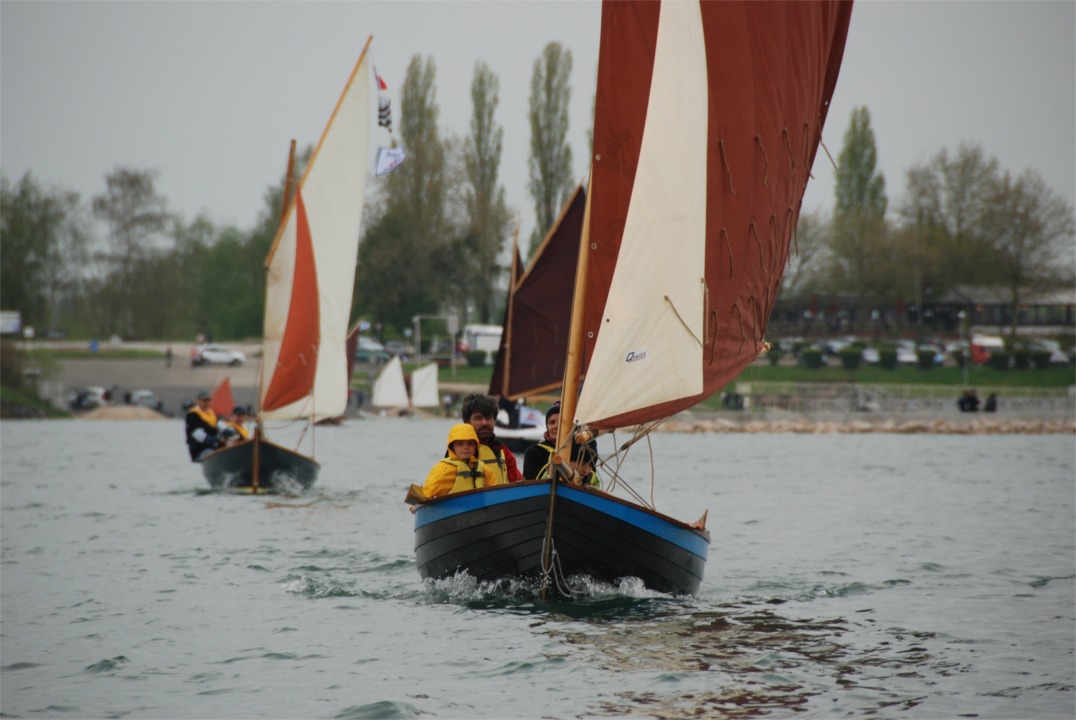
[635, 356]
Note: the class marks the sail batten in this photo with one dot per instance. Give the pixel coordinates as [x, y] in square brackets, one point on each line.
[707, 117]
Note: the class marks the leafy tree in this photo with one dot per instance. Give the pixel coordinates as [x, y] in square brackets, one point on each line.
[43, 250]
[860, 189]
[486, 207]
[551, 156]
[137, 221]
[858, 245]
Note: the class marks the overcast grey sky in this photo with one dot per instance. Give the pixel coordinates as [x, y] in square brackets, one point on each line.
[210, 94]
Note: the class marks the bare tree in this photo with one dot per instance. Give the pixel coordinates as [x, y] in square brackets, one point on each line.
[1030, 231]
[137, 221]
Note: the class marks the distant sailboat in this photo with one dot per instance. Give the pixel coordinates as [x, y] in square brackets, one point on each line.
[310, 279]
[707, 117]
[424, 389]
[390, 391]
[390, 387]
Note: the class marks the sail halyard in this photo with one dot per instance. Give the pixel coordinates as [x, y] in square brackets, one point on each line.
[768, 72]
[332, 188]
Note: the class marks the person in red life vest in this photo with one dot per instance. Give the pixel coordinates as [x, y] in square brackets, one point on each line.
[460, 469]
[480, 411]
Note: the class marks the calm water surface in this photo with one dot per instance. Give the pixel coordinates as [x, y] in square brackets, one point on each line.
[903, 576]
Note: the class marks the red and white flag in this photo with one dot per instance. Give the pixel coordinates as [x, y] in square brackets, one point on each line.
[382, 86]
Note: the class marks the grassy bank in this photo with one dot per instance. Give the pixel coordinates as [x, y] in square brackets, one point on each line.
[1059, 378]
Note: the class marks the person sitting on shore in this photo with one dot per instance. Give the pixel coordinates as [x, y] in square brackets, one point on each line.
[480, 412]
[536, 459]
[203, 428]
[460, 469]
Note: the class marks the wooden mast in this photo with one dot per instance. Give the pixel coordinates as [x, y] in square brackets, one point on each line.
[285, 201]
[568, 393]
[574, 361]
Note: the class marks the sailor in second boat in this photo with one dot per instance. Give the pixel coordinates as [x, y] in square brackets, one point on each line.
[204, 430]
[460, 469]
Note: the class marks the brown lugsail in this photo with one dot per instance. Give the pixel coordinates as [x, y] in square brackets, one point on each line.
[707, 119]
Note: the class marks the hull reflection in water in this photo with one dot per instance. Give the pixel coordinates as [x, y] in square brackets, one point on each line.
[279, 469]
[500, 532]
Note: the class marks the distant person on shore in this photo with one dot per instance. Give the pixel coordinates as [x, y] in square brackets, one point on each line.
[991, 403]
[235, 427]
[536, 459]
[203, 428]
[480, 412]
[460, 469]
[168, 356]
[969, 401]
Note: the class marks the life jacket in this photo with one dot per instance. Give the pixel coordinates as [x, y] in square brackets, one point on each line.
[467, 478]
[244, 434]
[496, 461]
[208, 416]
[543, 474]
[590, 480]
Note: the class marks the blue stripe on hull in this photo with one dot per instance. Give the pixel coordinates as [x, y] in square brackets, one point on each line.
[640, 518]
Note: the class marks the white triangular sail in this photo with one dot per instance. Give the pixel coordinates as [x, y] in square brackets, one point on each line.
[389, 388]
[653, 348]
[332, 190]
[424, 392]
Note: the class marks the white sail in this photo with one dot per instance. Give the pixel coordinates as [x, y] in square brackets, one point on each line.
[389, 388]
[651, 333]
[333, 190]
[424, 392]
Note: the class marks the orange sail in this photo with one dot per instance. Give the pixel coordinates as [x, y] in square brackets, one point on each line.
[296, 363]
[222, 403]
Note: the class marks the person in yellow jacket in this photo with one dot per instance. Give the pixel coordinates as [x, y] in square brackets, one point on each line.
[460, 469]
[236, 430]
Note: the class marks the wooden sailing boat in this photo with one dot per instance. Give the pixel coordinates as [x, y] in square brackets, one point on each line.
[534, 339]
[310, 279]
[707, 118]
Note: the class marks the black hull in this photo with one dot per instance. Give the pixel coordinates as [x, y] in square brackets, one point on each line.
[499, 532]
[279, 469]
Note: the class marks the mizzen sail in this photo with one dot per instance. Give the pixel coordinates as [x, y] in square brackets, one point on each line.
[707, 118]
[535, 337]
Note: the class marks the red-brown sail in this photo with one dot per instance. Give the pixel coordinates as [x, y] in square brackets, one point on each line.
[770, 71]
[535, 337]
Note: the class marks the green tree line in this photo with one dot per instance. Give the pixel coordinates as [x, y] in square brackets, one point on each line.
[435, 229]
[433, 233]
[964, 221]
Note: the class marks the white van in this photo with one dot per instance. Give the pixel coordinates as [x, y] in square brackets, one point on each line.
[482, 337]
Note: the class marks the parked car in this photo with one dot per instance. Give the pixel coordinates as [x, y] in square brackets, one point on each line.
[88, 398]
[398, 347]
[217, 355]
[371, 351]
[146, 398]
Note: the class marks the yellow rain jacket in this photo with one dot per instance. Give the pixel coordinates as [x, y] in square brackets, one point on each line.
[453, 475]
